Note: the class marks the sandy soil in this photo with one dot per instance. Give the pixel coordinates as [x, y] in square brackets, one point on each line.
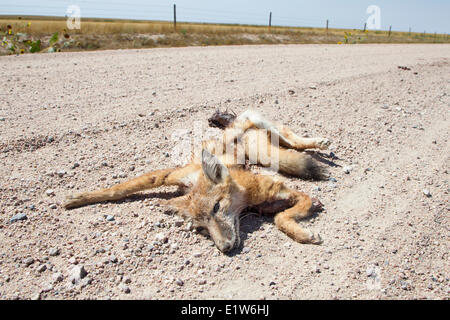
[81, 121]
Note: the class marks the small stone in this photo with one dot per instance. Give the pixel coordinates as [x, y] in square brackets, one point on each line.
[109, 218]
[58, 277]
[2, 119]
[246, 250]
[18, 217]
[197, 254]
[36, 296]
[53, 206]
[331, 179]
[316, 188]
[54, 252]
[28, 261]
[113, 259]
[179, 223]
[50, 139]
[42, 268]
[272, 283]
[179, 282]
[73, 260]
[61, 173]
[370, 272]
[347, 169]
[77, 273]
[202, 281]
[316, 269]
[75, 165]
[427, 192]
[122, 175]
[124, 288]
[161, 237]
[50, 192]
[332, 185]
[126, 280]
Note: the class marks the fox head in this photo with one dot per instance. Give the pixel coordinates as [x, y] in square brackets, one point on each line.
[215, 203]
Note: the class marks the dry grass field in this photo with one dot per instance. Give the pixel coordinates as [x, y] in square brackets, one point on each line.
[20, 33]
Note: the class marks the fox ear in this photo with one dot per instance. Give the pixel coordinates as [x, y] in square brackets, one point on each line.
[213, 168]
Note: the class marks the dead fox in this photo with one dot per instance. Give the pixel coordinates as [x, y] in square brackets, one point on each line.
[218, 188]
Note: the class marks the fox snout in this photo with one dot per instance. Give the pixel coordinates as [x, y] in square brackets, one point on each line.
[225, 246]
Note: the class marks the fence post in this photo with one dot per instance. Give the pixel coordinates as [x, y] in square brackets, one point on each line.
[365, 26]
[390, 28]
[327, 25]
[175, 17]
[270, 20]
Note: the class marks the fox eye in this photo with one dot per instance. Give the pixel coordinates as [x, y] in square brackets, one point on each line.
[216, 207]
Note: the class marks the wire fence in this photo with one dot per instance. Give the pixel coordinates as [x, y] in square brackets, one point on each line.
[118, 9]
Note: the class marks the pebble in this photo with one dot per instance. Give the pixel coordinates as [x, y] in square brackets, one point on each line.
[50, 139]
[347, 169]
[427, 192]
[109, 218]
[332, 185]
[50, 192]
[61, 173]
[122, 175]
[178, 223]
[161, 237]
[42, 268]
[58, 277]
[28, 261]
[246, 250]
[75, 165]
[179, 282]
[202, 281]
[331, 179]
[124, 288]
[18, 217]
[73, 260]
[197, 254]
[53, 206]
[2, 119]
[54, 252]
[36, 296]
[126, 280]
[77, 273]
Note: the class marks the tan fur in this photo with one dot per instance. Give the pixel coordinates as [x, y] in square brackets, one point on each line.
[218, 190]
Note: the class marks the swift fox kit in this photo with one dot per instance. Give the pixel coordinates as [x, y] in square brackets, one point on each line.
[218, 188]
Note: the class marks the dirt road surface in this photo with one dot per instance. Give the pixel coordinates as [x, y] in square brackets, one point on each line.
[79, 121]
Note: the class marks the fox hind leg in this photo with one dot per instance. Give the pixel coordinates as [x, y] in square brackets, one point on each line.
[286, 220]
[300, 143]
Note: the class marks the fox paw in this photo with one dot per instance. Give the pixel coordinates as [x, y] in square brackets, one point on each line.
[323, 143]
[315, 238]
[73, 201]
[316, 205]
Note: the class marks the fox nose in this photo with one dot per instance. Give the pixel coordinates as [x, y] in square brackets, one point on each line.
[226, 246]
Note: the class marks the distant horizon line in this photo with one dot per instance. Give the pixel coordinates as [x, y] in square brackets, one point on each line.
[204, 23]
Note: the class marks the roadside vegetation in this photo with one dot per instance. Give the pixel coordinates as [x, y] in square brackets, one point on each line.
[31, 34]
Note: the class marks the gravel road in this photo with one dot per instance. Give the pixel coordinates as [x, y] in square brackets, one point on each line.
[81, 121]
